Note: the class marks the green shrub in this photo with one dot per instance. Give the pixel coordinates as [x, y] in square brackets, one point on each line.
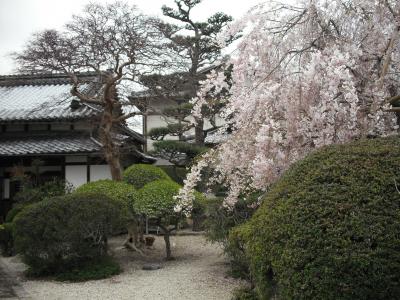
[156, 199]
[48, 189]
[244, 294]
[6, 239]
[92, 270]
[330, 227]
[54, 234]
[221, 220]
[16, 209]
[140, 174]
[198, 213]
[177, 174]
[121, 193]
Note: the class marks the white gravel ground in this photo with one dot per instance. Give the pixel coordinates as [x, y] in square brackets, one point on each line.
[198, 272]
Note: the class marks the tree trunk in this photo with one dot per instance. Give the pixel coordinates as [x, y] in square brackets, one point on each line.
[115, 168]
[133, 232]
[167, 244]
[199, 133]
[111, 150]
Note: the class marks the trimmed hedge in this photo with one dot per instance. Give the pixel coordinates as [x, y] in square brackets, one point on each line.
[140, 174]
[330, 227]
[121, 193]
[156, 199]
[57, 234]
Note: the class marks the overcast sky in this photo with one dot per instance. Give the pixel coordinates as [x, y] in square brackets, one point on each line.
[20, 18]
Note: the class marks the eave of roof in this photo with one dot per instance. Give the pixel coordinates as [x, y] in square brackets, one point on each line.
[47, 145]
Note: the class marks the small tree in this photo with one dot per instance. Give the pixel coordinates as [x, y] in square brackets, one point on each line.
[114, 42]
[157, 201]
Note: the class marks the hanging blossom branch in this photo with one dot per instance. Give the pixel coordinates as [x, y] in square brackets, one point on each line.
[303, 77]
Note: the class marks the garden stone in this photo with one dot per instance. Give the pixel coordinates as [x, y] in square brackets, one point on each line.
[151, 267]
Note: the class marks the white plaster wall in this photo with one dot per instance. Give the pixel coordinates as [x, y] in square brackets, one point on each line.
[98, 172]
[76, 175]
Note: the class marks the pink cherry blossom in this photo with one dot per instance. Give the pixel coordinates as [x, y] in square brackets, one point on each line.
[304, 76]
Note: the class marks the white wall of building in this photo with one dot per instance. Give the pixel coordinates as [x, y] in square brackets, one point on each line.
[98, 172]
[76, 175]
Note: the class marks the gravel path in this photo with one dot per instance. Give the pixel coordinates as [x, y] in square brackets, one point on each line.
[198, 272]
[10, 287]
[6, 286]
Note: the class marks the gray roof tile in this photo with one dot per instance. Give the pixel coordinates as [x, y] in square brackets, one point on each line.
[39, 98]
[47, 145]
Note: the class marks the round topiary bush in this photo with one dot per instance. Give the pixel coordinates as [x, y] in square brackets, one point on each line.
[140, 174]
[63, 233]
[330, 227]
[120, 192]
[156, 199]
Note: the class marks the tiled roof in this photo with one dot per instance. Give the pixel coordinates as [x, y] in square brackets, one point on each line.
[40, 98]
[47, 145]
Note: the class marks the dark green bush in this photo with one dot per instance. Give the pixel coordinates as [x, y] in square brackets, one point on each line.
[330, 227]
[140, 174]
[245, 293]
[16, 209]
[92, 270]
[6, 239]
[54, 234]
[177, 174]
[48, 189]
[29, 195]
